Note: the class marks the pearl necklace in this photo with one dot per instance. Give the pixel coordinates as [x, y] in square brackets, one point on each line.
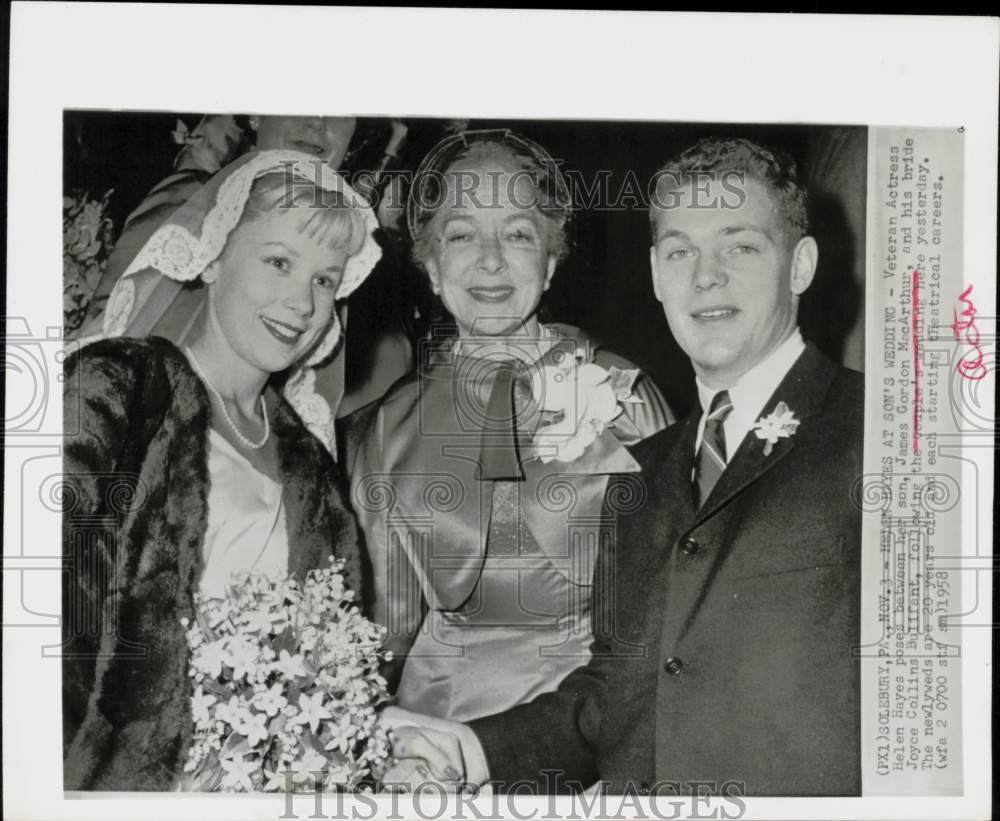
[225, 412]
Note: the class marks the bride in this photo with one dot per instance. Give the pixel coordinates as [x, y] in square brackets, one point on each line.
[197, 445]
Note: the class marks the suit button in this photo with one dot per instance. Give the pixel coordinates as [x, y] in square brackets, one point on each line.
[674, 666]
[644, 788]
[689, 546]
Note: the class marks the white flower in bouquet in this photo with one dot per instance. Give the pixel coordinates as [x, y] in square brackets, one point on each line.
[270, 701]
[285, 680]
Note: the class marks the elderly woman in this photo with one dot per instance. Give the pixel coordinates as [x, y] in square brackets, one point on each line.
[479, 479]
[183, 449]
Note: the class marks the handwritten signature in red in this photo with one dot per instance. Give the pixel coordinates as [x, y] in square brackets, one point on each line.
[971, 366]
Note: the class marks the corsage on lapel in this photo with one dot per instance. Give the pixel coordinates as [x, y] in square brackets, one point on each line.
[779, 424]
[577, 401]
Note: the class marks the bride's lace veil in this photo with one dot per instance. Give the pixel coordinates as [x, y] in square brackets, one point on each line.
[161, 292]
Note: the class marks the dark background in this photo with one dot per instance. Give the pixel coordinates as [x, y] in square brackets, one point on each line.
[604, 285]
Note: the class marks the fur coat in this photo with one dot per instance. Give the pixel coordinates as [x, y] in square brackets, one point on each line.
[134, 520]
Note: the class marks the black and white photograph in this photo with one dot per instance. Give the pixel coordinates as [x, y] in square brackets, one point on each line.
[411, 458]
[464, 482]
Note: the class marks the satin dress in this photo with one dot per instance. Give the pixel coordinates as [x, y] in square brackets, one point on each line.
[246, 520]
[524, 627]
[500, 564]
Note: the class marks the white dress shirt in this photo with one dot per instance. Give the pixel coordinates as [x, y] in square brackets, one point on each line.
[750, 393]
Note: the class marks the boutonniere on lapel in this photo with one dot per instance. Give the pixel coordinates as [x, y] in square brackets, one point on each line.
[576, 400]
[779, 424]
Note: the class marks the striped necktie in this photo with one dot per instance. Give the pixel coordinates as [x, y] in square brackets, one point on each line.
[711, 461]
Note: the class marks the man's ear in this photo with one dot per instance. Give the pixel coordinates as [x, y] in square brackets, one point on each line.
[211, 273]
[550, 271]
[805, 257]
[652, 269]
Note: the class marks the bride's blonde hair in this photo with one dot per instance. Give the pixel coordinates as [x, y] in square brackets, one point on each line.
[327, 216]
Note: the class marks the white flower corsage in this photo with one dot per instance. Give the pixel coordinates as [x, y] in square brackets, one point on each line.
[780, 424]
[577, 400]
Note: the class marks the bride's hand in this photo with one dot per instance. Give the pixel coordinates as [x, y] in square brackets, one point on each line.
[425, 747]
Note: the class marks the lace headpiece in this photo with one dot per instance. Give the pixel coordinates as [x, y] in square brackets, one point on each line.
[158, 290]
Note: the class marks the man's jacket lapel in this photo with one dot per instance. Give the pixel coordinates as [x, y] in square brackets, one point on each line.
[803, 390]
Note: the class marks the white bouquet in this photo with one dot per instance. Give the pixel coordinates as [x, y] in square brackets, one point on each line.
[286, 685]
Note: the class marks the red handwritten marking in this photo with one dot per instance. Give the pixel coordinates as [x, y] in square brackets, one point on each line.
[969, 367]
[916, 360]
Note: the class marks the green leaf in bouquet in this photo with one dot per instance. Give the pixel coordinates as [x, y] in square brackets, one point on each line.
[276, 725]
[285, 640]
[212, 778]
[257, 779]
[311, 742]
[337, 759]
[206, 778]
[209, 633]
[236, 744]
[211, 685]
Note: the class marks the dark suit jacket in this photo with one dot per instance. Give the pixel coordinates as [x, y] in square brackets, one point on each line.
[723, 636]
